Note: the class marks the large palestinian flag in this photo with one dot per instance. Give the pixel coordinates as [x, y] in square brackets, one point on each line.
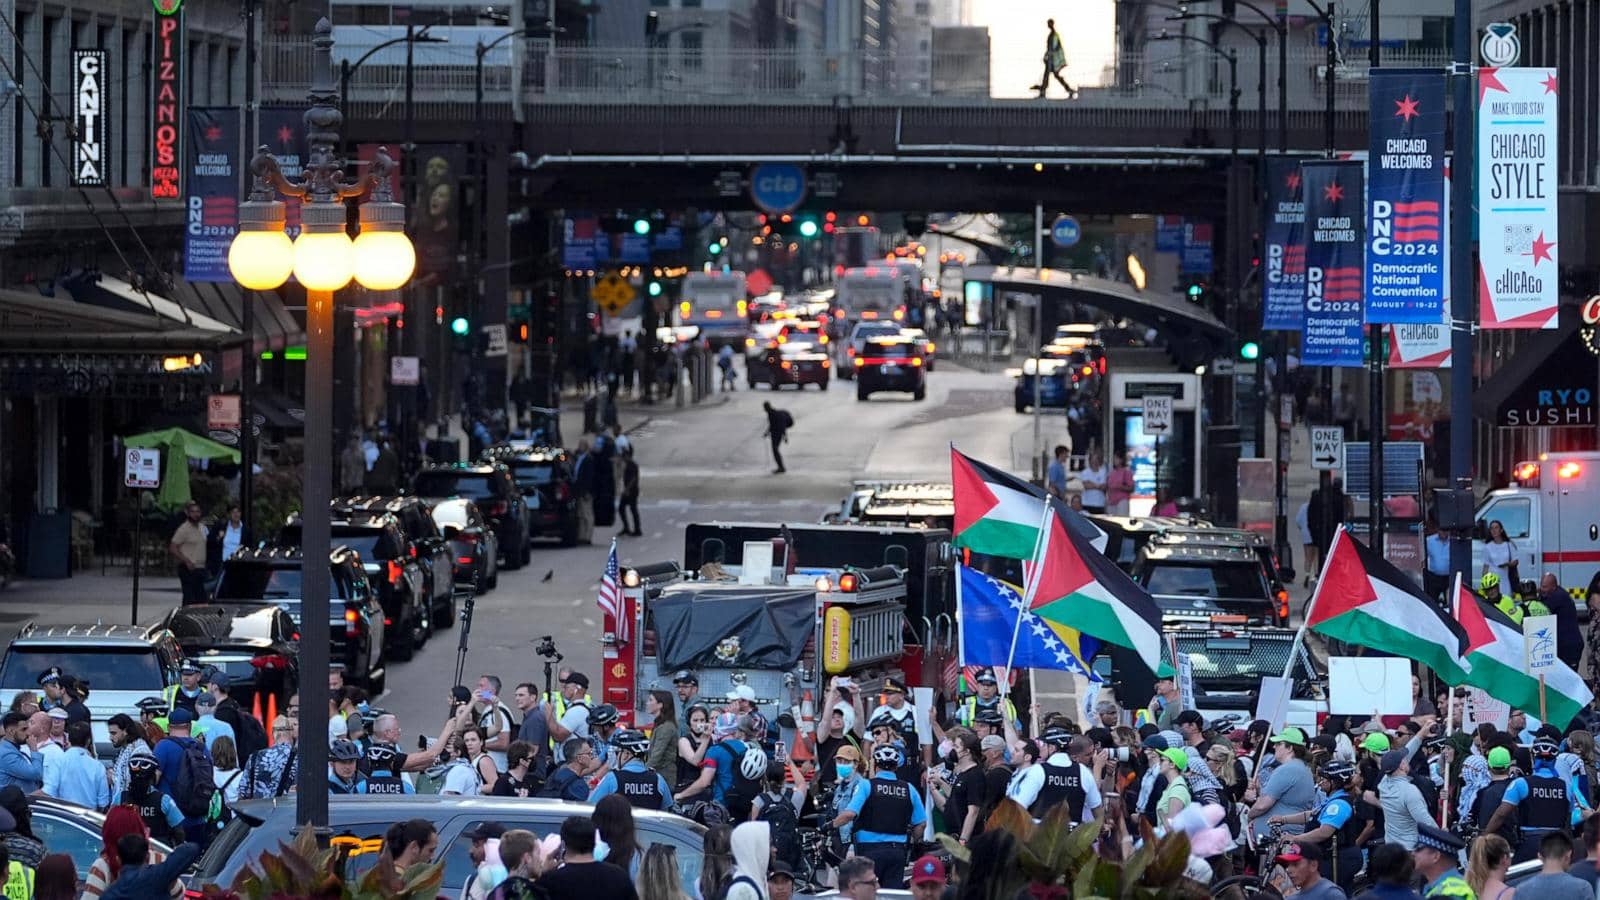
[1497, 650]
[1363, 600]
[998, 514]
[1072, 583]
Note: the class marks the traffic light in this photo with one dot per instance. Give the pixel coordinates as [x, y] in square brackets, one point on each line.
[459, 326]
[714, 248]
[655, 288]
[808, 227]
[641, 226]
[1196, 291]
[1250, 351]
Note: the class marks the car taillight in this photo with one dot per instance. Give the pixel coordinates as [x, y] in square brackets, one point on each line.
[860, 362]
[784, 364]
[850, 351]
[1283, 604]
[563, 493]
[826, 364]
[916, 361]
[464, 560]
[272, 661]
[387, 621]
[467, 537]
[413, 551]
[352, 623]
[899, 314]
[190, 894]
[396, 571]
[498, 508]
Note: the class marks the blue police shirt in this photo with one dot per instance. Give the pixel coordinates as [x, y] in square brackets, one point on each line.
[859, 800]
[608, 784]
[1336, 811]
[1518, 791]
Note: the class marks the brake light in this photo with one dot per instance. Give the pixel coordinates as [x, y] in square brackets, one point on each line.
[784, 364]
[847, 582]
[270, 662]
[826, 364]
[916, 361]
[1102, 365]
[464, 560]
[1283, 604]
[498, 508]
[352, 623]
[860, 362]
[899, 313]
[931, 348]
[396, 572]
[1088, 370]
[387, 621]
[839, 313]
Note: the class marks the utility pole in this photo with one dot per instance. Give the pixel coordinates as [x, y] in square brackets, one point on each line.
[1038, 466]
[1375, 399]
[1462, 278]
[1329, 146]
[248, 358]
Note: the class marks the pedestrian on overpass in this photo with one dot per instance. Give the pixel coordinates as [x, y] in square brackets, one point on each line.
[1055, 60]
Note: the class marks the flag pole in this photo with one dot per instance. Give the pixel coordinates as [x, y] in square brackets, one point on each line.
[1450, 713]
[1029, 589]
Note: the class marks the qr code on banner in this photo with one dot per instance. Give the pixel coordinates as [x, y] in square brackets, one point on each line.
[1519, 239]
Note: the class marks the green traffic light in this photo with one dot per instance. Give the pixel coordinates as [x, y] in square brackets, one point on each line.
[1195, 291]
[459, 325]
[808, 228]
[715, 248]
[1250, 350]
[641, 226]
[655, 288]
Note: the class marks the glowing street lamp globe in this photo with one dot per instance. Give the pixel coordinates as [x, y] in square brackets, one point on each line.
[384, 257]
[324, 259]
[261, 256]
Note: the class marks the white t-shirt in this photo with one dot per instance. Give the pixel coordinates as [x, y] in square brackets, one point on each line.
[486, 720]
[228, 781]
[575, 720]
[1094, 496]
[461, 778]
[1497, 556]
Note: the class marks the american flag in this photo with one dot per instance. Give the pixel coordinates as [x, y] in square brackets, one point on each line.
[610, 595]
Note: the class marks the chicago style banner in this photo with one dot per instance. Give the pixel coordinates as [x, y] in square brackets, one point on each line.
[1405, 271]
[1517, 197]
[1333, 315]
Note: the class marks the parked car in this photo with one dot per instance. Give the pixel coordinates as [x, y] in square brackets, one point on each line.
[544, 475]
[256, 646]
[428, 547]
[355, 618]
[360, 821]
[474, 548]
[396, 577]
[497, 494]
[121, 664]
[73, 830]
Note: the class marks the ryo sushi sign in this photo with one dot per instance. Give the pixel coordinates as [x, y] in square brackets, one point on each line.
[168, 46]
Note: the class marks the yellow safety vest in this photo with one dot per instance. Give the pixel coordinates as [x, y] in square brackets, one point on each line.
[1453, 886]
[562, 706]
[969, 710]
[19, 882]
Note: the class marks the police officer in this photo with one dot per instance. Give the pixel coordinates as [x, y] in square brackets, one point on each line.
[988, 698]
[638, 784]
[885, 731]
[345, 759]
[1540, 800]
[574, 692]
[153, 712]
[1060, 778]
[157, 808]
[1437, 855]
[895, 707]
[383, 775]
[1337, 826]
[602, 729]
[881, 813]
[183, 694]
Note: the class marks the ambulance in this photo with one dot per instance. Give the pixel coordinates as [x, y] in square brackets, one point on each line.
[1551, 513]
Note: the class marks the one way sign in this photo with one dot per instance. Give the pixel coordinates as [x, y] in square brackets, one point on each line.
[1327, 447]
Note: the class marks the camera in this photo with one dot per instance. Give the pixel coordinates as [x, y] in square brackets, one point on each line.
[547, 648]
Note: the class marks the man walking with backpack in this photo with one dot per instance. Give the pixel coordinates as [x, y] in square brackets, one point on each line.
[779, 807]
[778, 424]
[187, 774]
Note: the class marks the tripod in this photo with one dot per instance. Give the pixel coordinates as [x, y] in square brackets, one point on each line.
[466, 631]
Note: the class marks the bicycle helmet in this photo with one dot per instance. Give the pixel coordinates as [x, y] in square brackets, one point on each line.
[888, 756]
[753, 764]
[143, 762]
[155, 706]
[631, 740]
[883, 720]
[1056, 736]
[604, 714]
[1544, 747]
[1338, 770]
[1489, 580]
[344, 751]
[382, 756]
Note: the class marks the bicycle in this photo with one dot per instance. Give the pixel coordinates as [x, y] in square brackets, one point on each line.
[1270, 881]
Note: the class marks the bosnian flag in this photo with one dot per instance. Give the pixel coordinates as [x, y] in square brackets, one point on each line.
[1497, 650]
[998, 514]
[1072, 583]
[1363, 600]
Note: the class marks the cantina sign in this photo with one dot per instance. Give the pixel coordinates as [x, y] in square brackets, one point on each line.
[166, 90]
[88, 118]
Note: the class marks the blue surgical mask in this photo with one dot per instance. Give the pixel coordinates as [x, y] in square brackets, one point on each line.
[844, 769]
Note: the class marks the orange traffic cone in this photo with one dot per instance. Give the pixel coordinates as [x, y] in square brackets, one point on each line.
[272, 716]
[808, 715]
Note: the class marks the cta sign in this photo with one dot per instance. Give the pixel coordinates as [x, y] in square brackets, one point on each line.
[168, 51]
[777, 188]
[89, 152]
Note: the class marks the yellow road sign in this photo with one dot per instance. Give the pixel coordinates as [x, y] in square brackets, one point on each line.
[613, 293]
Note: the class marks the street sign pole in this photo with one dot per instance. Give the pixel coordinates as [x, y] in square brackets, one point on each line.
[1462, 290]
[138, 519]
[1375, 379]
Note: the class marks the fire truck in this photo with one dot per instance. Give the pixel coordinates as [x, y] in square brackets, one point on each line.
[783, 609]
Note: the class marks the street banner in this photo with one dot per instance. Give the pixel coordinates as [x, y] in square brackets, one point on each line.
[436, 210]
[1405, 271]
[282, 130]
[1196, 256]
[1332, 333]
[1169, 234]
[1517, 256]
[1424, 346]
[212, 206]
[1284, 287]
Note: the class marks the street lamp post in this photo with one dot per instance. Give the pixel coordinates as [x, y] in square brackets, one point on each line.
[323, 259]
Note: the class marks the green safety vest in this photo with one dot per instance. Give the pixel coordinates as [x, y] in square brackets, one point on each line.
[19, 882]
[969, 710]
[1452, 885]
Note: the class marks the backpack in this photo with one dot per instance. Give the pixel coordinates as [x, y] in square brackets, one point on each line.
[729, 880]
[557, 785]
[249, 735]
[785, 419]
[220, 812]
[742, 791]
[778, 812]
[194, 784]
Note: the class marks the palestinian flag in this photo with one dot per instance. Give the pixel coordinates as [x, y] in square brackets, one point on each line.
[998, 514]
[1073, 584]
[1497, 650]
[1363, 600]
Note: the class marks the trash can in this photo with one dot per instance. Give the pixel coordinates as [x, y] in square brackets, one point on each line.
[50, 544]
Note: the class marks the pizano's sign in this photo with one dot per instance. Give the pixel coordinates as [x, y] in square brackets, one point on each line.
[168, 39]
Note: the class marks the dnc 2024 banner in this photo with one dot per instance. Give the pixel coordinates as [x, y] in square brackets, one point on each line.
[212, 207]
[1284, 287]
[1405, 269]
[1334, 244]
[1517, 197]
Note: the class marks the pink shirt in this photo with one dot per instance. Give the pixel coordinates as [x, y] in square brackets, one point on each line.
[1120, 485]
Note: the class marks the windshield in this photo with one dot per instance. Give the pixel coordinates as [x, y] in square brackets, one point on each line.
[452, 484]
[1238, 656]
[257, 582]
[247, 626]
[451, 513]
[371, 543]
[105, 668]
[1209, 579]
[532, 474]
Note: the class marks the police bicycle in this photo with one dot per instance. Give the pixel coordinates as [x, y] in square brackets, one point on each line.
[1269, 882]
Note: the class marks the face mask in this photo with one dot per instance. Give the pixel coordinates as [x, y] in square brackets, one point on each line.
[945, 748]
[845, 770]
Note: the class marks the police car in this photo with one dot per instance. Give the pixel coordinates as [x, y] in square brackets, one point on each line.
[890, 362]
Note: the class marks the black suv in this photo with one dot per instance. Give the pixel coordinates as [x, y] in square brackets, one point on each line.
[271, 577]
[544, 475]
[496, 493]
[891, 362]
[1220, 584]
[428, 547]
[396, 577]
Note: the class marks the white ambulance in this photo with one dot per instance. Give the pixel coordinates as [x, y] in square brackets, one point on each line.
[1552, 516]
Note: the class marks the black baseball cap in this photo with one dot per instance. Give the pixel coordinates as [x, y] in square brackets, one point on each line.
[684, 676]
[577, 678]
[1190, 717]
[484, 831]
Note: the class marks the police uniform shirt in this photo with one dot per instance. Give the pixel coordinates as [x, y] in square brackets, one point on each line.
[336, 785]
[1539, 799]
[388, 783]
[905, 722]
[1027, 784]
[971, 706]
[890, 800]
[640, 785]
